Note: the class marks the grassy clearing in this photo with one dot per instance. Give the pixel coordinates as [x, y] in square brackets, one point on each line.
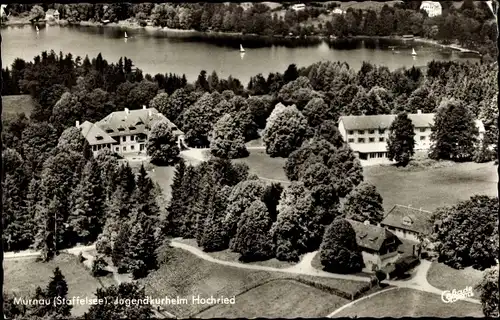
[432, 188]
[185, 275]
[228, 255]
[281, 298]
[443, 277]
[12, 105]
[264, 166]
[21, 277]
[404, 302]
[365, 5]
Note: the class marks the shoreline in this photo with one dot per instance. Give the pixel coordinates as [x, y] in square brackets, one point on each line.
[128, 25]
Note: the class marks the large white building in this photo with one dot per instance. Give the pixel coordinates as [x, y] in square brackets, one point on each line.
[433, 8]
[125, 132]
[367, 135]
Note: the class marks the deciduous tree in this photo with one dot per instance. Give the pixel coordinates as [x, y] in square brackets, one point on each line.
[364, 203]
[227, 140]
[162, 144]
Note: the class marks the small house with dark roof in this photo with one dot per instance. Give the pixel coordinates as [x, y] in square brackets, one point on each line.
[125, 132]
[407, 222]
[367, 135]
[379, 246]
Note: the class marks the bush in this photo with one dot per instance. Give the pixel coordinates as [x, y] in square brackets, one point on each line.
[381, 276]
[142, 23]
[99, 267]
[138, 269]
[81, 258]
[103, 245]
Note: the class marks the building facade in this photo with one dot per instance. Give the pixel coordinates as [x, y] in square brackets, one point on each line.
[125, 132]
[379, 246]
[367, 135]
[299, 7]
[433, 8]
[407, 222]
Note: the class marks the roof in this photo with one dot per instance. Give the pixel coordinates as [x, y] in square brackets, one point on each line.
[127, 122]
[91, 132]
[383, 121]
[408, 218]
[434, 4]
[370, 236]
[369, 147]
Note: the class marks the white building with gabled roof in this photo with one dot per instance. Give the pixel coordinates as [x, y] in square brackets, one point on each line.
[433, 8]
[367, 135]
[125, 132]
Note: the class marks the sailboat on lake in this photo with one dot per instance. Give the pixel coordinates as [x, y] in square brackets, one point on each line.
[413, 52]
[37, 30]
[126, 36]
[241, 48]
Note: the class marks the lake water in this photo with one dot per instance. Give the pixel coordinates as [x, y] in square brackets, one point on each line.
[188, 52]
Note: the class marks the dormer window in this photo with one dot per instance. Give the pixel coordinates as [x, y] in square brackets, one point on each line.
[361, 236]
[99, 137]
[407, 221]
[131, 128]
[139, 123]
[109, 131]
[121, 129]
[372, 238]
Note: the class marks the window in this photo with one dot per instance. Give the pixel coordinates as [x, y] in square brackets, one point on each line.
[351, 132]
[117, 149]
[371, 131]
[131, 147]
[381, 131]
[94, 148]
[350, 140]
[381, 139]
[124, 138]
[361, 131]
[422, 129]
[371, 139]
[124, 148]
[422, 138]
[141, 146]
[132, 138]
[361, 140]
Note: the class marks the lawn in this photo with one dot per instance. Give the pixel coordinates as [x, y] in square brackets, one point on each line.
[432, 188]
[278, 299]
[443, 277]
[404, 302]
[21, 277]
[228, 255]
[423, 185]
[185, 275]
[12, 105]
[264, 166]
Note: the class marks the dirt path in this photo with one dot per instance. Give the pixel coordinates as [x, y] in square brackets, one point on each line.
[297, 269]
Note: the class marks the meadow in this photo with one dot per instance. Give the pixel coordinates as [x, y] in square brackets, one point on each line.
[402, 302]
[21, 277]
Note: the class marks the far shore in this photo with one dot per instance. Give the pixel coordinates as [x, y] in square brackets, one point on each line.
[133, 25]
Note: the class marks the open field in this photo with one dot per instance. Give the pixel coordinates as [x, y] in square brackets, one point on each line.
[443, 277]
[185, 275]
[280, 298]
[365, 5]
[12, 105]
[264, 166]
[23, 276]
[404, 302]
[432, 188]
[228, 255]
[427, 186]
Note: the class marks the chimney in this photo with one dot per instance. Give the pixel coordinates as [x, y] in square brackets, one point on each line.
[127, 111]
[77, 124]
[419, 111]
[367, 222]
[144, 107]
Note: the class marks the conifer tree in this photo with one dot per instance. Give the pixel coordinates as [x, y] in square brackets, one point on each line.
[144, 194]
[176, 206]
[120, 247]
[141, 251]
[87, 216]
[214, 233]
[401, 142]
[57, 288]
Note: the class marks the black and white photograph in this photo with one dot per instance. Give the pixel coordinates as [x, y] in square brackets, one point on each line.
[315, 159]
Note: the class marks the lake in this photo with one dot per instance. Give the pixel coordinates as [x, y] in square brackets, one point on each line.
[158, 51]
